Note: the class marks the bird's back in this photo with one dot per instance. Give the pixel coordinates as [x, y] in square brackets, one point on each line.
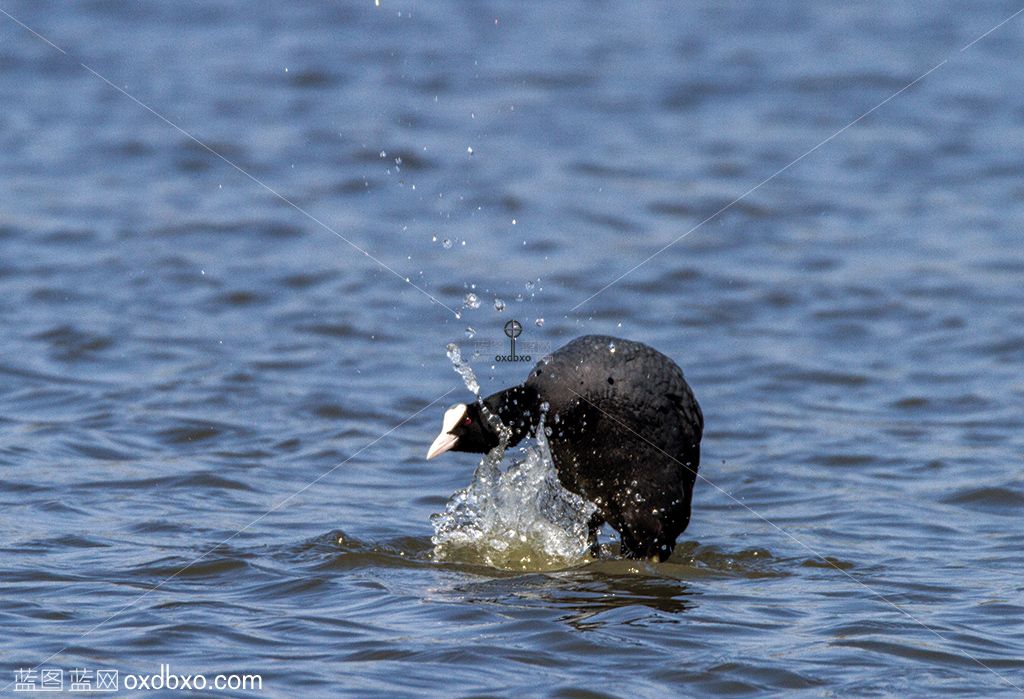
[618, 408]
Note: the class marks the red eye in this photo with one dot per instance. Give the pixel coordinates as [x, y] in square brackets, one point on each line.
[467, 421]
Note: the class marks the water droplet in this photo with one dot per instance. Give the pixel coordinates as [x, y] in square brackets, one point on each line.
[383, 154]
[463, 368]
[611, 347]
[499, 305]
[433, 239]
[470, 332]
[539, 322]
[469, 149]
[446, 244]
[398, 160]
[529, 286]
[471, 301]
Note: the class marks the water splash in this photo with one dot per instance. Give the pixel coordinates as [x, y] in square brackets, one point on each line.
[519, 519]
[463, 369]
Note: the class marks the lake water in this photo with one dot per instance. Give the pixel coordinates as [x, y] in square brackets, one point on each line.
[214, 407]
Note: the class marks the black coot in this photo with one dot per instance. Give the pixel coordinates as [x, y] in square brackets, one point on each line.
[625, 434]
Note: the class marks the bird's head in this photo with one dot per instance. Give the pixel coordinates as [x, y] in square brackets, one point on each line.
[464, 428]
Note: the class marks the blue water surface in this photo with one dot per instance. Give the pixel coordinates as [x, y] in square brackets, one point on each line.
[236, 237]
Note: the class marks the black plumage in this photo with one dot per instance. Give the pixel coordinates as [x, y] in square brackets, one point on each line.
[624, 431]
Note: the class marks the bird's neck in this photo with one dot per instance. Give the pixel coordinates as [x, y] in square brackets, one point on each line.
[519, 409]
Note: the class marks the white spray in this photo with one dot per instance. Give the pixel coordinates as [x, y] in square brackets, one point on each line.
[519, 519]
